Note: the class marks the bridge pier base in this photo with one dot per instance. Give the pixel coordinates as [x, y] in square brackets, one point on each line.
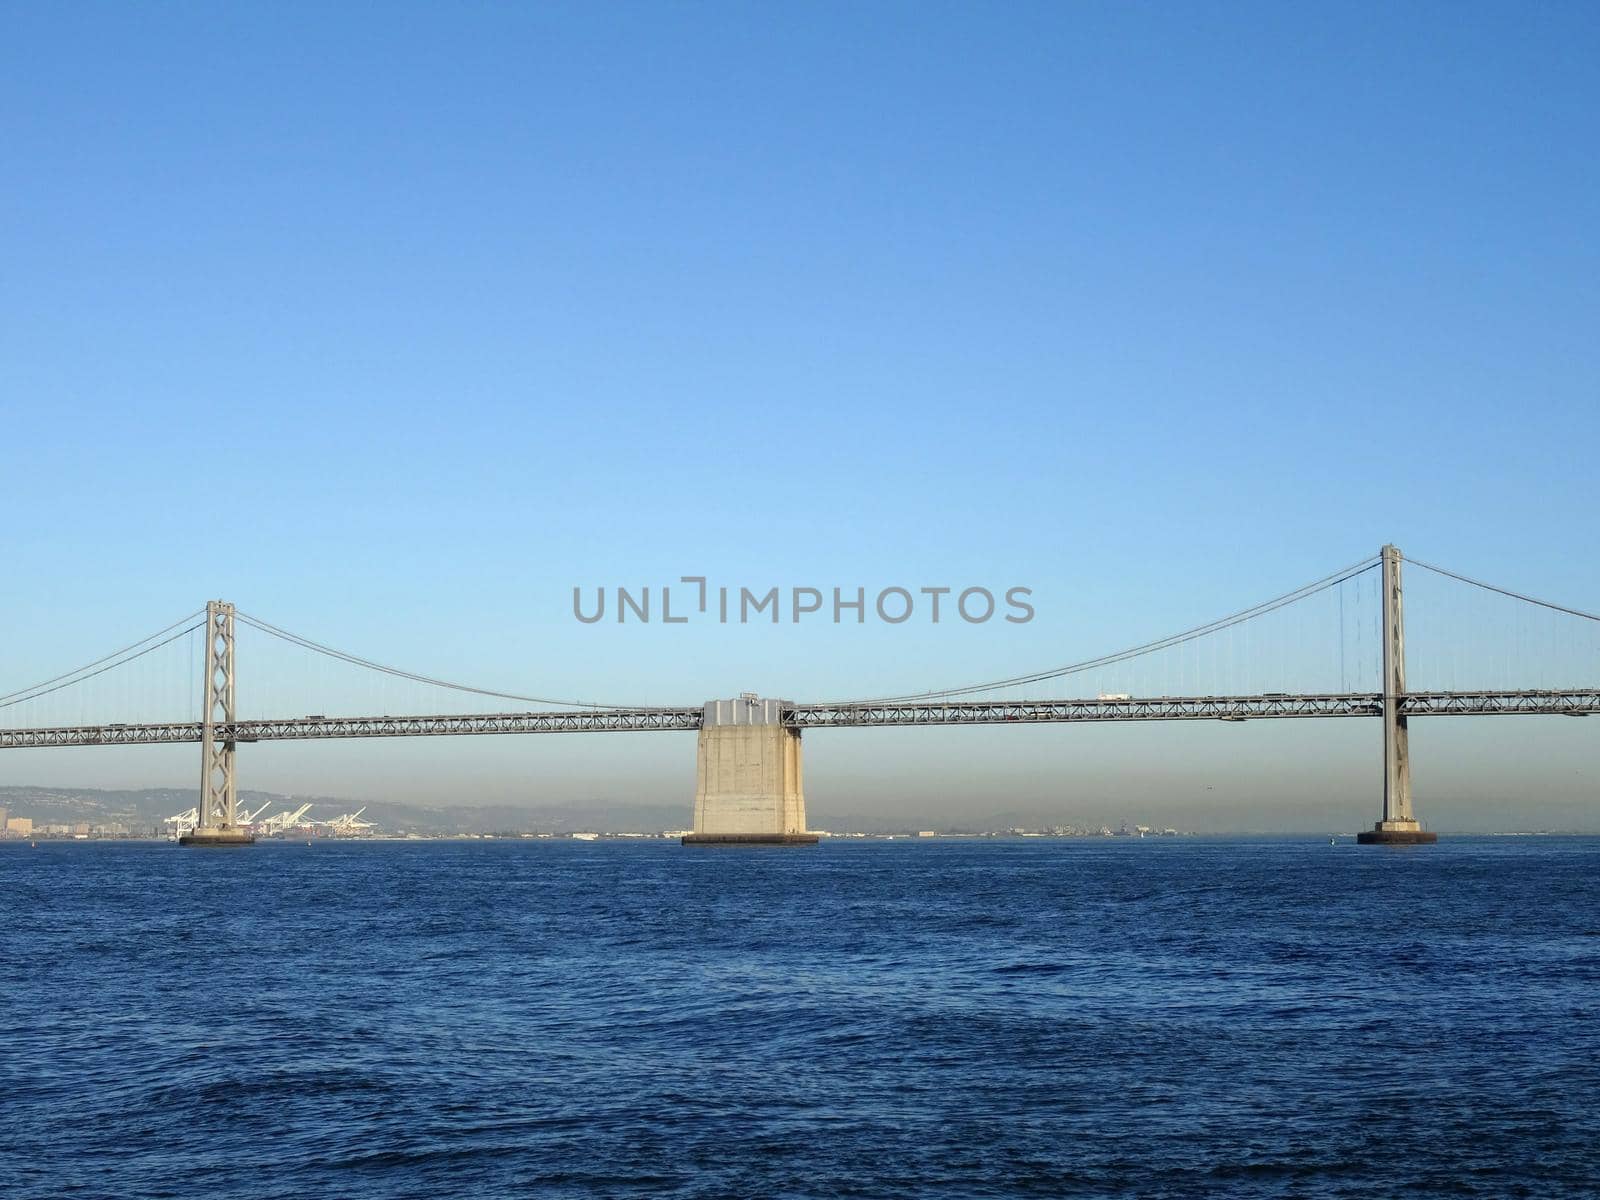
[1397, 833]
[748, 789]
[218, 837]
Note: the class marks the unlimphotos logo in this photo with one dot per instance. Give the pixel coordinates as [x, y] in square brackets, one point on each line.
[744, 606]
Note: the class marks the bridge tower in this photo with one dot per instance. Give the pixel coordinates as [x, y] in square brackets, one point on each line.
[219, 792]
[1399, 825]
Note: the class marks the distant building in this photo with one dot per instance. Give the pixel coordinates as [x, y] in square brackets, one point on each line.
[20, 826]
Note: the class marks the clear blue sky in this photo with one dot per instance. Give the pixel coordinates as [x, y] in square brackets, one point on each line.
[392, 323]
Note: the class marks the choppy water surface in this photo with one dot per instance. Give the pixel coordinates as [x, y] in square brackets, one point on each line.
[1172, 1018]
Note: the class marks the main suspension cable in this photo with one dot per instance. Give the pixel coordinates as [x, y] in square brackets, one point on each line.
[356, 660]
[43, 689]
[1489, 587]
[1176, 639]
[117, 654]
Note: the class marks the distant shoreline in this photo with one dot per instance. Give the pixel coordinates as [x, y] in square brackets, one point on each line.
[845, 838]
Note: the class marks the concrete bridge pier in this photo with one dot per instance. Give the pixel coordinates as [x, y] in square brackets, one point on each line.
[1399, 826]
[748, 789]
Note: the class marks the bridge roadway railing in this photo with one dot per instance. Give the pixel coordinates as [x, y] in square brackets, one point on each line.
[1269, 706]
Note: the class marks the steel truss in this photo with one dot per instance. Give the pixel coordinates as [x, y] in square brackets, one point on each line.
[1161, 708]
[819, 716]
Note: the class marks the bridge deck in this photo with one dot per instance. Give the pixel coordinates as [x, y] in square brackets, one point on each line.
[1269, 706]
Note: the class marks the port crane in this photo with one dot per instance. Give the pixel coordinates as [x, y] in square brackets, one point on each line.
[284, 821]
[348, 822]
[181, 823]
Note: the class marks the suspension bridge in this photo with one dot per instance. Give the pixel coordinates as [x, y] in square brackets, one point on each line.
[749, 786]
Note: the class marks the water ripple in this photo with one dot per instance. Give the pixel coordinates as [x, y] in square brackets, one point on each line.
[1195, 1018]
